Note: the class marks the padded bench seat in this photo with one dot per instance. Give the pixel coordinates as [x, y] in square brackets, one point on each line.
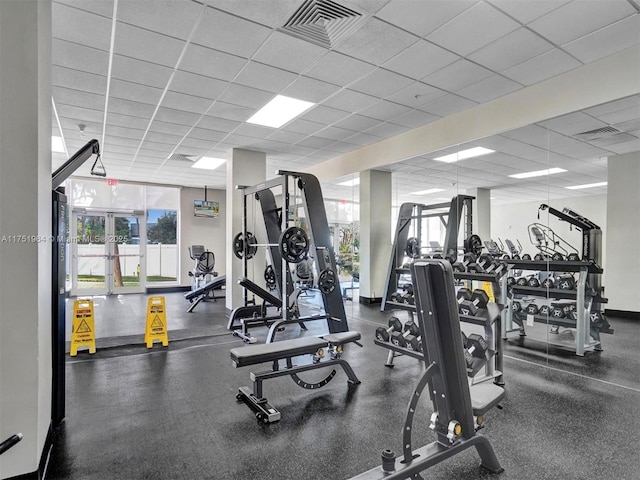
[341, 338]
[217, 282]
[485, 396]
[259, 291]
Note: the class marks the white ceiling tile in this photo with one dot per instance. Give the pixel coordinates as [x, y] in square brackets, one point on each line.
[627, 147]
[123, 142]
[416, 95]
[176, 116]
[422, 16]
[351, 100]
[196, 143]
[79, 57]
[304, 127]
[310, 89]
[526, 11]
[335, 133]
[211, 63]
[205, 134]
[376, 42]
[146, 45]
[315, 142]
[86, 82]
[384, 110]
[510, 50]
[473, 29]
[531, 134]
[255, 131]
[134, 91]
[620, 116]
[289, 53]
[606, 41]
[632, 101]
[219, 124]
[381, 83]
[579, 18]
[264, 77]
[420, 59]
[363, 139]
[124, 132]
[98, 7]
[68, 96]
[229, 33]
[197, 85]
[188, 103]
[126, 121]
[342, 147]
[614, 139]
[171, 128]
[324, 115]
[163, 138]
[357, 123]
[138, 71]
[127, 107]
[457, 75]
[489, 88]
[386, 130]
[230, 112]
[271, 13]
[286, 137]
[543, 66]
[573, 123]
[339, 69]
[629, 126]
[415, 118]
[79, 114]
[175, 18]
[79, 26]
[248, 97]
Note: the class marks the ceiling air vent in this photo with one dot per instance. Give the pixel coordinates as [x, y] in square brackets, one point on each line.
[597, 133]
[180, 157]
[323, 22]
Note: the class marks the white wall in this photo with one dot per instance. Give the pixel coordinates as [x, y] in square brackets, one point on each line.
[512, 222]
[209, 232]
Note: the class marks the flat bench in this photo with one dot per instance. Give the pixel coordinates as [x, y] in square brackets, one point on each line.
[199, 294]
[326, 351]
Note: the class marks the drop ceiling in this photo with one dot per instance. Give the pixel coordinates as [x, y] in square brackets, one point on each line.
[179, 78]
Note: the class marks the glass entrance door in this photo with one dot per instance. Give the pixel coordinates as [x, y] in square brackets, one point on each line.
[107, 253]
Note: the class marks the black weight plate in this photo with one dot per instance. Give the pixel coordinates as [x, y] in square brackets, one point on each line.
[327, 281]
[473, 244]
[270, 276]
[294, 244]
[413, 247]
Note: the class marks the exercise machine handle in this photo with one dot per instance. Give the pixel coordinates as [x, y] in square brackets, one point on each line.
[10, 442]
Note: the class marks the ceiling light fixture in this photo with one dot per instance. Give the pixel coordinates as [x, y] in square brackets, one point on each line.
[587, 185]
[464, 154]
[539, 173]
[56, 144]
[427, 192]
[279, 111]
[351, 183]
[209, 163]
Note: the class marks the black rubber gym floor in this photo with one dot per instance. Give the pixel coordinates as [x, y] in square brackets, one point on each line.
[171, 413]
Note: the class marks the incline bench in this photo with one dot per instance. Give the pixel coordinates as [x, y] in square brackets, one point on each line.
[329, 345]
[199, 294]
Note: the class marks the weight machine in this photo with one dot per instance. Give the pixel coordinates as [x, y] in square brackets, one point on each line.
[287, 243]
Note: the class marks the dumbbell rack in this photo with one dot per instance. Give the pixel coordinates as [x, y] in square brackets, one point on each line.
[587, 338]
[492, 331]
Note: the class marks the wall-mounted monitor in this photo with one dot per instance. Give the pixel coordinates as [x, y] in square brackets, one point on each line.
[203, 208]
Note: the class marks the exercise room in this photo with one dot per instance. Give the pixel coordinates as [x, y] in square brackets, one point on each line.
[304, 239]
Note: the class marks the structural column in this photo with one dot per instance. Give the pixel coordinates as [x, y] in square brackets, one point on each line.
[622, 269]
[375, 233]
[25, 230]
[481, 212]
[244, 168]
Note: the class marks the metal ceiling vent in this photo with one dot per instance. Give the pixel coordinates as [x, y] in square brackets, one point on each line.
[181, 157]
[323, 22]
[597, 133]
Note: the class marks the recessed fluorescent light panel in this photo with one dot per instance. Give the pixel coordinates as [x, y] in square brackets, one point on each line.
[587, 185]
[427, 192]
[279, 111]
[464, 154]
[351, 183]
[56, 145]
[538, 173]
[209, 163]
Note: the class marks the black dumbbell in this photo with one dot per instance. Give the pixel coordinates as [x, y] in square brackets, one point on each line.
[533, 282]
[544, 310]
[549, 282]
[557, 257]
[556, 312]
[511, 281]
[573, 257]
[384, 334]
[402, 339]
[522, 281]
[566, 282]
[479, 299]
[396, 297]
[540, 257]
[526, 256]
[475, 353]
[516, 306]
[532, 309]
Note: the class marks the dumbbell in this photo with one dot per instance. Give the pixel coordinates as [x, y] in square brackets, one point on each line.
[544, 310]
[566, 282]
[403, 339]
[556, 312]
[396, 297]
[557, 257]
[549, 282]
[532, 309]
[486, 264]
[516, 306]
[533, 282]
[540, 257]
[384, 334]
[475, 353]
[479, 299]
[573, 257]
[526, 256]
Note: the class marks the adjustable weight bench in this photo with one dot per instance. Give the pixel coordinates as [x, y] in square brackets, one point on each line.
[326, 351]
[199, 294]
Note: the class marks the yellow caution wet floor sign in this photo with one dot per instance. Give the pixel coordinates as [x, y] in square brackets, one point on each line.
[156, 322]
[488, 287]
[83, 331]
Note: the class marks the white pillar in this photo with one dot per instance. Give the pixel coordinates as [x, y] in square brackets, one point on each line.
[481, 224]
[622, 269]
[375, 233]
[247, 168]
[25, 229]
